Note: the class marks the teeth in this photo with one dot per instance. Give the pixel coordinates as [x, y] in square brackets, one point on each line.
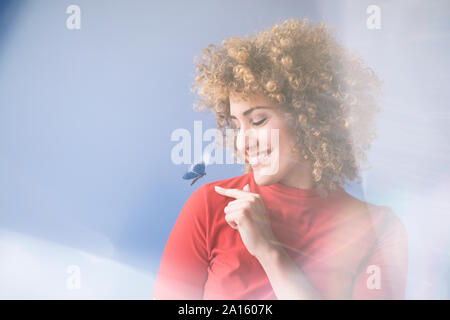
[261, 158]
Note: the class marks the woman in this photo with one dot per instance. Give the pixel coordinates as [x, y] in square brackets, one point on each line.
[291, 232]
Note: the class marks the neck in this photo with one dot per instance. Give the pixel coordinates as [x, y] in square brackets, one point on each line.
[300, 176]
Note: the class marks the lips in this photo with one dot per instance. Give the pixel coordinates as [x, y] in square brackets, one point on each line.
[259, 158]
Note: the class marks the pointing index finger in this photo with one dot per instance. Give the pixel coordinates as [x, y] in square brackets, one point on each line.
[234, 193]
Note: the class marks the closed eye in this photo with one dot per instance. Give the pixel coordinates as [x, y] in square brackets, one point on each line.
[255, 123]
[260, 122]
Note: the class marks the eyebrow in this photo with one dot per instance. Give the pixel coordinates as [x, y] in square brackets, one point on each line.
[247, 112]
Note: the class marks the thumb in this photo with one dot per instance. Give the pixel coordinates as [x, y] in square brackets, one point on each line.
[247, 188]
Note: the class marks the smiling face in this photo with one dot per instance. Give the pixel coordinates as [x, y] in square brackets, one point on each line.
[266, 139]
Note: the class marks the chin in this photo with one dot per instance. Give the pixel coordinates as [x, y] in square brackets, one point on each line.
[264, 180]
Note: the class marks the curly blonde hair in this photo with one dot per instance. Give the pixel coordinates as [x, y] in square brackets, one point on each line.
[329, 91]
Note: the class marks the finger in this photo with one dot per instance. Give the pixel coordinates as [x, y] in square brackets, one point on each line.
[233, 193]
[241, 200]
[233, 219]
[238, 206]
[233, 225]
[240, 211]
[231, 222]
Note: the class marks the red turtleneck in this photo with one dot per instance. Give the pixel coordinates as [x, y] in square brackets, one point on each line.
[342, 244]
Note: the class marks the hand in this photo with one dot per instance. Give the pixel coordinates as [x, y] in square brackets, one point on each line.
[248, 215]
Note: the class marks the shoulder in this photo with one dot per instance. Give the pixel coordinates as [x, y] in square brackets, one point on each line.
[207, 189]
[388, 226]
[237, 182]
[382, 217]
[211, 198]
[391, 227]
[356, 213]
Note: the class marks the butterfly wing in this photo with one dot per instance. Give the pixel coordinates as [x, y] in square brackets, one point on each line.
[190, 175]
[199, 168]
[197, 171]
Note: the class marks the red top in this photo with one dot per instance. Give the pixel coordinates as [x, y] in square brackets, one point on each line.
[339, 242]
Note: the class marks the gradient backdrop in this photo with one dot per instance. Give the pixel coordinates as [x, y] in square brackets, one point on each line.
[86, 116]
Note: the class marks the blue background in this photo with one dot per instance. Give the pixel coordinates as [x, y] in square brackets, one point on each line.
[86, 117]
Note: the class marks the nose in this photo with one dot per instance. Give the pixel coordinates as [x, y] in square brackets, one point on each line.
[247, 141]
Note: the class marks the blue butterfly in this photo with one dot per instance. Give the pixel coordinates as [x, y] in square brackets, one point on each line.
[197, 171]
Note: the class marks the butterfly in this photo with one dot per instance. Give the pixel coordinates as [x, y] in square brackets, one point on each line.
[196, 172]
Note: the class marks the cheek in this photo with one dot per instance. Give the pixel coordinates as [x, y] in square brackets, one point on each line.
[282, 140]
[286, 143]
[289, 137]
[239, 142]
[270, 137]
[264, 139]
